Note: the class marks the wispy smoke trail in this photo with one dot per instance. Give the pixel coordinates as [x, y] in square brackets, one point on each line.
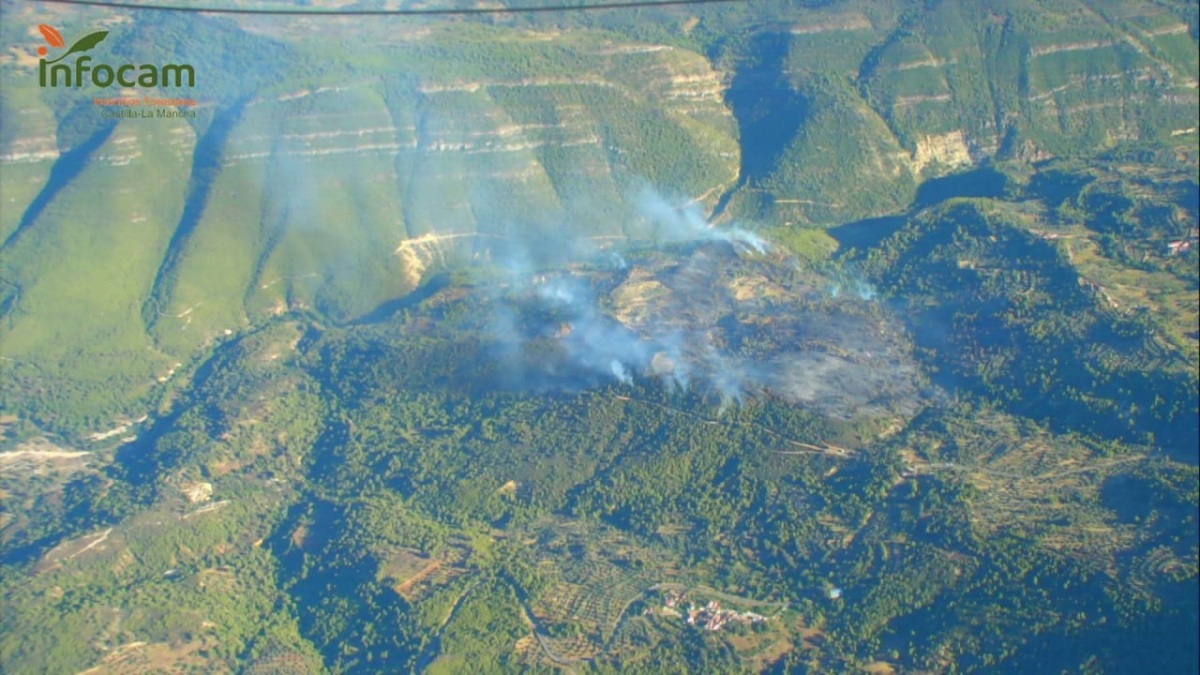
[590, 340]
[621, 372]
[678, 224]
[858, 288]
[583, 336]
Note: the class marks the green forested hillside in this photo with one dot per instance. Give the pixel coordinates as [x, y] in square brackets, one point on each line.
[775, 337]
[390, 515]
[337, 170]
[334, 188]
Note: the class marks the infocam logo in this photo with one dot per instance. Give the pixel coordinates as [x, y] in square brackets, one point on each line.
[74, 74]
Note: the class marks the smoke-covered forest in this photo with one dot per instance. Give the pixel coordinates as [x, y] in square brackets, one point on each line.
[775, 337]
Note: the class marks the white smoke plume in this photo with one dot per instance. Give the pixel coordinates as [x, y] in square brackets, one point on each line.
[556, 327]
[686, 223]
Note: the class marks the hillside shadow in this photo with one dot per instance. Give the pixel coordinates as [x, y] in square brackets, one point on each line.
[767, 109]
[866, 233]
[68, 166]
[206, 166]
[765, 106]
[386, 311]
[984, 182]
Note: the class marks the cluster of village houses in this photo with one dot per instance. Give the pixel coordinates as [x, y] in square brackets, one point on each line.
[1180, 246]
[1177, 247]
[709, 617]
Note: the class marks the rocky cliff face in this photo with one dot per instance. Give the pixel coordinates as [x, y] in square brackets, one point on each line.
[893, 96]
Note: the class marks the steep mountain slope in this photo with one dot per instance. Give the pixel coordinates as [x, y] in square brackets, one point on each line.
[334, 191]
[511, 344]
[888, 98]
[336, 165]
